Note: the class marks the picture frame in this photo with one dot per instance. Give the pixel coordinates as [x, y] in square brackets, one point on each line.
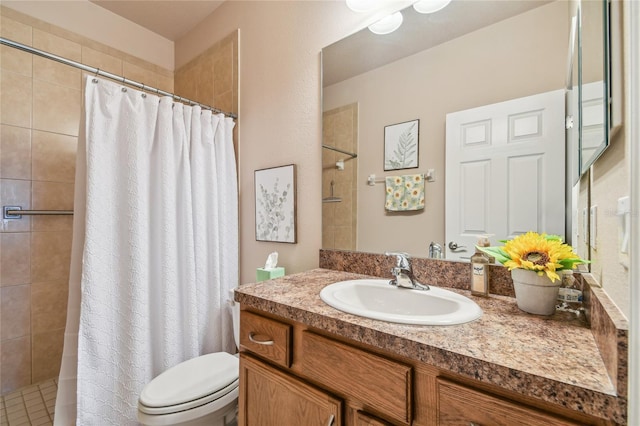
[401, 144]
[276, 207]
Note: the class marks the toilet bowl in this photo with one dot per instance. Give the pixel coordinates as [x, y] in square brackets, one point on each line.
[197, 392]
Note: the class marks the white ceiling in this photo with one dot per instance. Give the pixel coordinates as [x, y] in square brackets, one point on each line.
[169, 18]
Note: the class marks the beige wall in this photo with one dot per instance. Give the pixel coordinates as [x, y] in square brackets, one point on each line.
[279, 106]
[610, 181]
[480, 68]
[39, 115]
[89, 20]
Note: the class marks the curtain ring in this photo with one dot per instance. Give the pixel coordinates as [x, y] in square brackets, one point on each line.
[97, 72]
[144, 95]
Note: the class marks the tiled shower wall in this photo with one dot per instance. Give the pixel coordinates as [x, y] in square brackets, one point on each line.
[340, 130]
[40, 111]
[211, 78]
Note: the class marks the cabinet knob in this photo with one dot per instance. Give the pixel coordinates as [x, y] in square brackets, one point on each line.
[331, 419]
[254, 338]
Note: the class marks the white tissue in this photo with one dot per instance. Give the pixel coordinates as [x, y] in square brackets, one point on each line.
[272, 261]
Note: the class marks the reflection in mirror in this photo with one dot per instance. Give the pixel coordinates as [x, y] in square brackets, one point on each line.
[485, 52]
[594, 126]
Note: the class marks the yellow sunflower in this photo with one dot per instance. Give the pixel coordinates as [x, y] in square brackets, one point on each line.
[542, 253]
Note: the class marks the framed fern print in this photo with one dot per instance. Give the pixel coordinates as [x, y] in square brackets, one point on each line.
[401, 145]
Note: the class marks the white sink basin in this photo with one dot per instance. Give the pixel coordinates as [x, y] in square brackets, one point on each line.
[376, 299]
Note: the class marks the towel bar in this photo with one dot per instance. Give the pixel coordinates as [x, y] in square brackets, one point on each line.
[15, 212]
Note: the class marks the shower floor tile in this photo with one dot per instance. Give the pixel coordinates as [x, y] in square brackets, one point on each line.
[29, 406]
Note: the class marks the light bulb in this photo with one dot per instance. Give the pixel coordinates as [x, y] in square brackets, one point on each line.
[430, 6]
[362, 5]
[387, 25]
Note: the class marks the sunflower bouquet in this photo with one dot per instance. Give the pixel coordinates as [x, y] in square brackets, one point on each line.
[542, 253]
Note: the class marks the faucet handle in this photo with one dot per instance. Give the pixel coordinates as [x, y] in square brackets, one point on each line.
[402, 259]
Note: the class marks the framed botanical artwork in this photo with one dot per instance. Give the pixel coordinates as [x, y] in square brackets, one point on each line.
[401, 145]
[275, 190]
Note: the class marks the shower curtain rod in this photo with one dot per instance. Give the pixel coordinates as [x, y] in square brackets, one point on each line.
[350, 154]
[98, 71]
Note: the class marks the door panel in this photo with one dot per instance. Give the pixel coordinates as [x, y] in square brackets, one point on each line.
[505, 170]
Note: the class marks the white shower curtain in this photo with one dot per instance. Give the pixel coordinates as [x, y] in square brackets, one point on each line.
[155, 249]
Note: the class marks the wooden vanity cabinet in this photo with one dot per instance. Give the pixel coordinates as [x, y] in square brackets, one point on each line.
[463, 406]
[269, 397]
[293, 376]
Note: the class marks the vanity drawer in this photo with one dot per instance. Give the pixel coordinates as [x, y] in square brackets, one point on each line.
[266, 338]
[382, 385]
[460, 405]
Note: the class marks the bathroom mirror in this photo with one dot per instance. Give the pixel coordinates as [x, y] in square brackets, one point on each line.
[594, 77]
[469, 54]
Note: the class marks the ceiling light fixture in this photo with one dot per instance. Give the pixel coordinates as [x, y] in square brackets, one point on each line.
[387, 25]
[362, 5]
[430, 6]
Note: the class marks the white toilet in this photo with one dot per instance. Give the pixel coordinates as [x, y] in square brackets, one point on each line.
[200, 391]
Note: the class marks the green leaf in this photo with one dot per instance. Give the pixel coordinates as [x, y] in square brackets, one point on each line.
[497, 252]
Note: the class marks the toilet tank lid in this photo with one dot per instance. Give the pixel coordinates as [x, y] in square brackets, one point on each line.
[191, 380]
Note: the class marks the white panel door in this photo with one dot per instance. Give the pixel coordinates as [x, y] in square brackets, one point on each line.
[505, 171]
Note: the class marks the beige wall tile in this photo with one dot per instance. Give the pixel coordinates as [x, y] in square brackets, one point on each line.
[52, 223]
[343, 238]
[56, 45]
[48, 305]
[53, 157]
[52, 196]
[15, 60]
[15, 152]
[50, 256]
[165, 83]
[100, 60]
[186, 82]
[224, 101]
[15, 258]
[328, 237]
[15, 102]
[139, 74]
[47, 354]
[56, 108]
[15, 365]
[15, 193]
[57, 73]
[15, 31]
[223, 76]
[15, 313]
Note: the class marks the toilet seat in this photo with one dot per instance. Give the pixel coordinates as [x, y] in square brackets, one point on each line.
[191, 384]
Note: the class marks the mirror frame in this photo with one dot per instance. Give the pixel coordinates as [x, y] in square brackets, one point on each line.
[584, 166]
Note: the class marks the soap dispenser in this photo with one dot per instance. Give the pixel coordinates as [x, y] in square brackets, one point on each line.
[480, 262]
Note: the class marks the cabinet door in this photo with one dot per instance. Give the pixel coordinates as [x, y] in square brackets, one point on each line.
[269, 397]
[459, 405]
[364, 419]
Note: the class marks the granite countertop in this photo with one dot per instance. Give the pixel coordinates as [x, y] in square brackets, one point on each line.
[553, 358]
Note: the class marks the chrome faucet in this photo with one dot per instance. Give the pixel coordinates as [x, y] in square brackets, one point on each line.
[435, 250]
[403, 273]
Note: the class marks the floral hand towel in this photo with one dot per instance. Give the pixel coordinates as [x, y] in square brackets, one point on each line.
[404, 193]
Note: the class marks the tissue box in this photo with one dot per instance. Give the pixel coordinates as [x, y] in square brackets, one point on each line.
[267, 274]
